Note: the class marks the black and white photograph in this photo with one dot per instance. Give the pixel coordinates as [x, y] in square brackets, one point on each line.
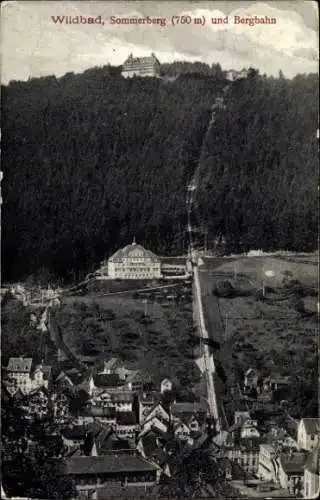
[160, 250]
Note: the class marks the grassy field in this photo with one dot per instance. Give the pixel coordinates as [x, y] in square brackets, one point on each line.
[151, 336]
[275, 333]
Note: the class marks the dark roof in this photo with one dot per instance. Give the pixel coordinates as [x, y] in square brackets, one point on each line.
[293, 463]
[107, 380]
[312, 425]
[174, 261]
[149, 397]
[149, 443]
[187, 407]
[126, 418]
[107, 464]
[22, 365]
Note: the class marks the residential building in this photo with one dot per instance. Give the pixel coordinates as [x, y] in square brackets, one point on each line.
[121, 400]
[111, 365]
[267, 470]
[245, 453]
[249, 429]
[291, 471]
[174, 266]
[126, 425]
[27, 379]
[95, 472]
[134, 262]
[308, 433]
[141, 66]
[146, 402]
[311, 480]
[182, 410]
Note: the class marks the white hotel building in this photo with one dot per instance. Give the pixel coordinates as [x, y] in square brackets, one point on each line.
[134, 262]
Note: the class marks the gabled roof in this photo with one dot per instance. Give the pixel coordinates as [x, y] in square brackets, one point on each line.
[130, 251]
[21, 365]
[312, 425]
[107, 464]
[250, 371]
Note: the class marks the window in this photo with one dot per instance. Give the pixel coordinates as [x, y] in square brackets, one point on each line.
[312, 437]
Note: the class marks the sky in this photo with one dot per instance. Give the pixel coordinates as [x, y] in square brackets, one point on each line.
[32, 45]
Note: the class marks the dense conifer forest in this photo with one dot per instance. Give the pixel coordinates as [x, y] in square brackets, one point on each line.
[91, 160]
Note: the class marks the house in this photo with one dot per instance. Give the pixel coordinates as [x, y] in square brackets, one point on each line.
[173, 266]
[146, 402]
[121, 400]
[90, 414]
[308, 433]
[95, 472]
[291, 471]
[166, 385]
[182, 410]
[27, 379]
[249, 429]
[157, 417]
[251, 379]
[311, 479]
[134, 262]
[141, 66]
[181, 431]
[241, 416]
[243, 451]
[126, 425]
[267, 470]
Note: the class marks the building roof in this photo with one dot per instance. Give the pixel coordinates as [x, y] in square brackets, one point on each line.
[107, 380]
[107, 464]
[21, 365]
[187, 407]
[312, 425]
[133, 250]
[251, 371]
[293, 463]
[149, 397]
[135, 63]
[126, 418]
[174, 261]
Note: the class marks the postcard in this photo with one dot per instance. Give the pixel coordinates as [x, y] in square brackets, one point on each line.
[159, 223]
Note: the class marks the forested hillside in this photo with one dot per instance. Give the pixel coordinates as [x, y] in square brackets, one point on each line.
[91, 160]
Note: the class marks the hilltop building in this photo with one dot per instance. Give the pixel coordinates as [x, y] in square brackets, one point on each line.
[141, 66]
[233, 75]
[134, 262]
